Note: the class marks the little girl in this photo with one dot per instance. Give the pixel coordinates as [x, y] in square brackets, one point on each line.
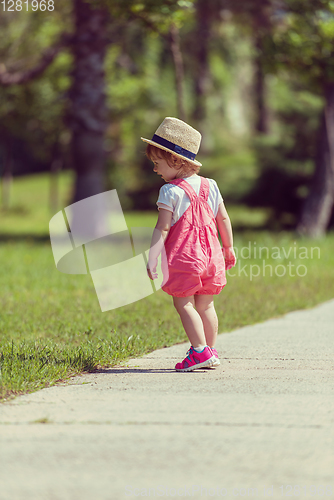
[190, 209]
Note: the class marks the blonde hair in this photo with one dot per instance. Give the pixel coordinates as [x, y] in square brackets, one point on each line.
[184, 167]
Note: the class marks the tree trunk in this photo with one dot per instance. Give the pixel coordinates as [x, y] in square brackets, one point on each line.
[201, 47]
[178, 65]
[7, 176]
[261, 27]
[318, 206]
[56, 166]
[261, 124]
[87, 114]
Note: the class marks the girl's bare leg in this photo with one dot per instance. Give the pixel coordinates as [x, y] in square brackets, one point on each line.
[191, 320]
[206, 309]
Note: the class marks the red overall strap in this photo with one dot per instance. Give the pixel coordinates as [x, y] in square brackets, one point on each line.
[204, 189]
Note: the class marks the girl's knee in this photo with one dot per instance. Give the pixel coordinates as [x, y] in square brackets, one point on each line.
[183, 303]
[204, 302]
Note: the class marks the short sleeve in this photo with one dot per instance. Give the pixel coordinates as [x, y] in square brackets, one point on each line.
[219, 196]
[215, 198]
[166, 198]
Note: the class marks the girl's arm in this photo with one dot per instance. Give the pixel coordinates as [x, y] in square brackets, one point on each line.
[159, 236]
[225, 231]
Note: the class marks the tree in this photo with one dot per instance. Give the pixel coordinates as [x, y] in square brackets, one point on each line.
[174, 37]
[206, 15]
[88, 109]
[170, 33]
[304, 45]
[86, 116]
[32, 87]
[262, 30]
[87, 113]
[254, 17]
[296, 37]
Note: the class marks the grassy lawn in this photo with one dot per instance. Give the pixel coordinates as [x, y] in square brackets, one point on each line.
[51, 325]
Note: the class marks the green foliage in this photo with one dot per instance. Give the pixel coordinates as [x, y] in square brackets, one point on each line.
[304, 41]
[296, 53]
[34, 111]
[157, 15]
[285, 158]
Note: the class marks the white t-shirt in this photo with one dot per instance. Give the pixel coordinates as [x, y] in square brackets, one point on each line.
[175, 199]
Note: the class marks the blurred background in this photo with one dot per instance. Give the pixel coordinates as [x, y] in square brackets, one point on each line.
[81, 81]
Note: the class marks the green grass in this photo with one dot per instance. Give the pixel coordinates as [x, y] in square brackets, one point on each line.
[51, 325]
[29, 209]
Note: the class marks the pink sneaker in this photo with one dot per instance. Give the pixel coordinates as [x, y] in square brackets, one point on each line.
[196, 360]
[216, 361]
[215, 353]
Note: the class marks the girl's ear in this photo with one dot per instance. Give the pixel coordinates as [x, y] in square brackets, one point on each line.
[176, 161]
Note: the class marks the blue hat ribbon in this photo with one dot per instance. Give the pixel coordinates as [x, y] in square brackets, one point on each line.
[173, 147]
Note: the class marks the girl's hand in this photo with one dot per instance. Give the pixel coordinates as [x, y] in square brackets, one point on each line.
[152, 268]
[230, 258]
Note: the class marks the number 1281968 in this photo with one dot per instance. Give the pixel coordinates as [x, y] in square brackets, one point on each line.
[18, 5]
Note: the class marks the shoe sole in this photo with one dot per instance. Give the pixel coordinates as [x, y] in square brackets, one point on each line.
[214, 365]
[205, 364]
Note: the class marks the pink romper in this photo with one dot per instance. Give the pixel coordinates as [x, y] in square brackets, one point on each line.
[194, 255]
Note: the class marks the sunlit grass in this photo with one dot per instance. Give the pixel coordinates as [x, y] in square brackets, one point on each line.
[52, 326]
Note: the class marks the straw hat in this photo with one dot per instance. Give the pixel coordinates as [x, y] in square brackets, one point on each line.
[177, 137]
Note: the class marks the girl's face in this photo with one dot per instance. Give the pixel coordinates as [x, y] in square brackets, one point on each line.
[162, 168]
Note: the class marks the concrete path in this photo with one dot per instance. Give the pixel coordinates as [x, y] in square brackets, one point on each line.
[261, 425]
